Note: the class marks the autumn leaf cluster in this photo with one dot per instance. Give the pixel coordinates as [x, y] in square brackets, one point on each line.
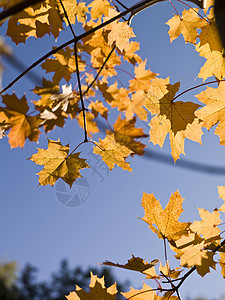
[84, 86]
[195, 245]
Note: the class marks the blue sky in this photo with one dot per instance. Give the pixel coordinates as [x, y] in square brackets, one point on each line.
[36, 228]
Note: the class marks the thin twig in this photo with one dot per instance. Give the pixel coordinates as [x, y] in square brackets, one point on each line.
[81, 94]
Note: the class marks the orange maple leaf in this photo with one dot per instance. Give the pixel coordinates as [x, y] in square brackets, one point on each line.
[22, 125]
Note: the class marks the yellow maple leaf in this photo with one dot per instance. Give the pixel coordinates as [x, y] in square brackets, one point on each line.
[113, 153]
[97, 107]
[146, 293]
[142, 78]
[97, 291]
[57, 164]
[63, 65]
[210, 34]
[191, 250]
[36, 21]
[45, 91]
[164, 222]
[120, 32]
[99, 8]
[130, 54]
[214, 65]
[214, 109]
[186, 25]
[74, 11]
[22, 125]
[174, 117]
[208, 227]
[135, 106]
[126, 133]
[117, 97]
[195, 255]
[135, 264]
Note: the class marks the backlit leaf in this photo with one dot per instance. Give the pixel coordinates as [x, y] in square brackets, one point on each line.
[57, 164]
[113, 153]
[97, 291]
[164, 222]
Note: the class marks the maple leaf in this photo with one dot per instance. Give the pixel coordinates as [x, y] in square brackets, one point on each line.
[135, 106]
[214, 65]
[75, 11]
[113, 153]
[63, 65]
[142, 78]
[130, 55]
[208, 226]
[214, 109]
[58, 164]
[174, 117]
[22, 125]
[98, 108]
[99, 8]
[97, 291]
[36, 21]
[146, 293]
[210, 34]
[186, 25]
[126, 132]
[120, 32]
[195, 255]
[164, 222]
[134, 264]
[45, 91]
[191, 250]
